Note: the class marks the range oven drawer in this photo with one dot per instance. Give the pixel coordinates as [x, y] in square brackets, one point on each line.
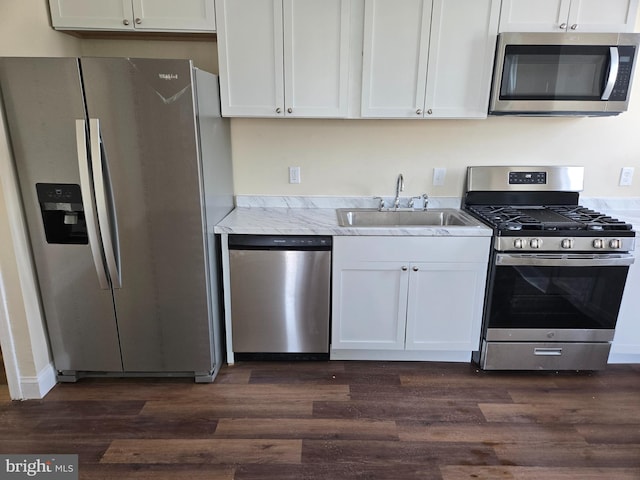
[544, 356]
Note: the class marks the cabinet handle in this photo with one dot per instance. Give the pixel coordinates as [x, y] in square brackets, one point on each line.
[429, 112]
[289, 110]
[278, 110]
[563, 26]
[138, 21]
[415, 269]
[574, 26]
[419, 111]
[125, 21]
[404, 269]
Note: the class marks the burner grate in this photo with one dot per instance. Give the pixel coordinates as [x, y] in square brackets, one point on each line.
[553, 218]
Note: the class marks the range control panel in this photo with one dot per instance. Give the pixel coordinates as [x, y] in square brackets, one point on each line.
[527, 178]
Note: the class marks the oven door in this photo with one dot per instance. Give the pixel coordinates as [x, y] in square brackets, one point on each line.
[555, 297]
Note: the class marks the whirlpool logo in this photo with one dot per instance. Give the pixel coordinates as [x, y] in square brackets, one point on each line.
[52, 467]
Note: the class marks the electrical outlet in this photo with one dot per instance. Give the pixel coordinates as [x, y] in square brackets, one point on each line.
[294, 174]
[626, 176]
[438, 176]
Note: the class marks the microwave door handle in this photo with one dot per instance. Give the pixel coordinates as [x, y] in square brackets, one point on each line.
[613, 73]
[87, 200]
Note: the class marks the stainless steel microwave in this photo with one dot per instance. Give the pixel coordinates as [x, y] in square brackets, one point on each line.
[587, 74]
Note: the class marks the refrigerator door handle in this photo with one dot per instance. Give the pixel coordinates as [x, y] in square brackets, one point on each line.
[86, 190]
[109, 240]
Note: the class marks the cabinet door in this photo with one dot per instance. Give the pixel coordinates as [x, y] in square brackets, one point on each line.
[250, 57]
[602, 16]
[461, 51]
[627, 337]
[535, 15]
[445, 306]
[91, 14]
[369, 305]
[394, 62]
[169, 15]
[316, 52]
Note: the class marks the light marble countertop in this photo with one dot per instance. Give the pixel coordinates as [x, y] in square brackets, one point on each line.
[273, 215]
[317, 216]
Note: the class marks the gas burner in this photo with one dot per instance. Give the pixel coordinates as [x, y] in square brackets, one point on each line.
[510, 226]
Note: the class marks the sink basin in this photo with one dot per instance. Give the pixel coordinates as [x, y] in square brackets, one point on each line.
[371, 217]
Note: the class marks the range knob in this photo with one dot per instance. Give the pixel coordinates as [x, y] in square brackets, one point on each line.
[517, 243]
[567, 243]
[598, 243]
[615, 243]
[535, 243]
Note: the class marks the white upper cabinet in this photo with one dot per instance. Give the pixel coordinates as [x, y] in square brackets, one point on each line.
[395, 55]
[134, 15]
[428, 58]
[568, 15]
[461, 52]
[282, 58]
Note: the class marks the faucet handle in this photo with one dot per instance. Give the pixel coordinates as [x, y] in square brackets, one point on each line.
[381, 203]
[412, 201]
[425, 201]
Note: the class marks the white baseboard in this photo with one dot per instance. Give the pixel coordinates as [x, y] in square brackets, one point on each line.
[402, 355]
[624, 358]
[35, 388]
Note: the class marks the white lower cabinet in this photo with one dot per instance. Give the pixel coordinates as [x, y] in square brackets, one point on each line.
[408, 298]
[625, 347]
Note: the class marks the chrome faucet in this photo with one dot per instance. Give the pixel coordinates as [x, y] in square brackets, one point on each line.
[399, 188]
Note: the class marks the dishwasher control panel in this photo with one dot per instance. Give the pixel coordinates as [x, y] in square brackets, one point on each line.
[310, 242]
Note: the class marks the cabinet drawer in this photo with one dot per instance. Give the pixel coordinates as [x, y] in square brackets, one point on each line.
[544, 356]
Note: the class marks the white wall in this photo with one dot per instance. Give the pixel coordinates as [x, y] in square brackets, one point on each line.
[363, 157]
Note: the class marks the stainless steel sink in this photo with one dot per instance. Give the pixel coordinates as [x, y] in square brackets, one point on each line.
[371, 217]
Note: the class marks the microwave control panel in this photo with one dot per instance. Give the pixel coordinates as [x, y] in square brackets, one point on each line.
[626, 54]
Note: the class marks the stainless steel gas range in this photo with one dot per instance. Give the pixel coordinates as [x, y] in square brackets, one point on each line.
[557, 270]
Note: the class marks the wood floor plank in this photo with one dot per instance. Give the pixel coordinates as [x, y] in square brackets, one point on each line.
[247, 408]
[578, 398]
[559, 454]
[338, 471]
[141, 426]
[489, 434]
[528, 413]
[479, 379]
[218, 451]
[402, 409]
[599, 432]
[157, 472]
[427, 393]
[307, 428]
[396, 453]
[88, 450]
[465, 472]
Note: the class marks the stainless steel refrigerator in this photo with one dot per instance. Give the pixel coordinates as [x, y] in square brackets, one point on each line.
[124, 167]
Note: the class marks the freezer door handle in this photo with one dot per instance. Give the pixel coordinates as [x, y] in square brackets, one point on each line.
[86, 189]
[106, 215]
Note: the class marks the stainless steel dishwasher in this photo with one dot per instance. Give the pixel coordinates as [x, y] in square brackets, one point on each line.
[280, 293]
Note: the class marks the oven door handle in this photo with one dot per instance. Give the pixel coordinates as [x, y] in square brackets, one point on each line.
[565, 260]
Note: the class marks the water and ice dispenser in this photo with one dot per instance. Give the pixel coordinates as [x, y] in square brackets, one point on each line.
[62, 213]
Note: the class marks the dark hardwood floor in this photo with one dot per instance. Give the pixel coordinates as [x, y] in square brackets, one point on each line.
[341, 420]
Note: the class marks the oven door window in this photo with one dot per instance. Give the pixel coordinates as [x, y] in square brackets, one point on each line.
[556, 297]
[551, 72]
